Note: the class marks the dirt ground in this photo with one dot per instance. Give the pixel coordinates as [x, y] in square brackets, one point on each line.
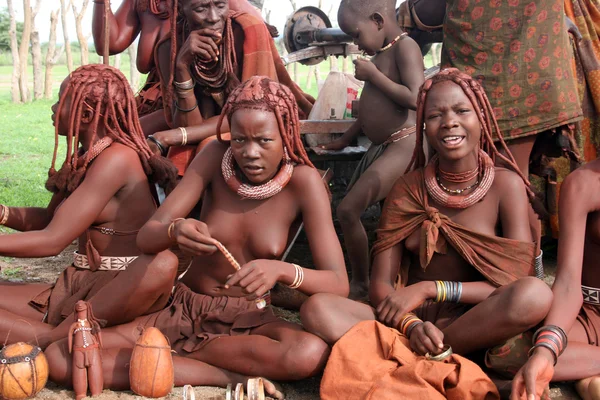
[46, 271]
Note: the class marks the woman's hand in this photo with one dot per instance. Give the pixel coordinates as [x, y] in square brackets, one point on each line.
[391, 310]
[193, 237]
[337, 144]
[201, 43]
[533, 377]
[426, 338]
[256, 277]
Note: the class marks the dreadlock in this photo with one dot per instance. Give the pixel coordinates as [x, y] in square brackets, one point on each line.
[104, 90]
[153, 6]
[474, 91]
[262, 93]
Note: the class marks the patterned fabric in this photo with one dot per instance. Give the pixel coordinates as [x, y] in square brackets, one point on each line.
[520, 51]
[106, 263]
[591, 295]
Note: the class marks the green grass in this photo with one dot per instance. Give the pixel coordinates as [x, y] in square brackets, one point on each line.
[27, 134]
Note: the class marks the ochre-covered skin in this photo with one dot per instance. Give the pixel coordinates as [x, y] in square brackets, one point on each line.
[23, 379]
[151, 367]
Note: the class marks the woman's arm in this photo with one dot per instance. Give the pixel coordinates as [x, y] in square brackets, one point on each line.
[124, 26]
[513, 206]
[104, 178]
[153, 237]
[330, 275]
[25, 219]
[195, 134]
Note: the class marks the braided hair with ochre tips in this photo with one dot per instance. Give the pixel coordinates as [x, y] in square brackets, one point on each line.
[474, 91]
[154, 8]
[262, 93]
[105, 91]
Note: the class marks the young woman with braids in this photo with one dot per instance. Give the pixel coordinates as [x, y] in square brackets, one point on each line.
[253, 188]
[454, 246]
[103, 194]
[150, 20]
[209, 52]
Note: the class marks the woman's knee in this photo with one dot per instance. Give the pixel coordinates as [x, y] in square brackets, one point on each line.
[316, 312]
[347, 212]
[162, 270]
[306, 356]
[59, 363]
[530, 300]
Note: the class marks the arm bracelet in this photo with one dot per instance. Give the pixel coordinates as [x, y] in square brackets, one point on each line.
[5, 213]
[186, 110]
[161, 147]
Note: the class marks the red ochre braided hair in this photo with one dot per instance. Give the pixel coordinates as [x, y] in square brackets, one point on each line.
[489, 126]
[262, 93]
[154, 7]
[105, 91]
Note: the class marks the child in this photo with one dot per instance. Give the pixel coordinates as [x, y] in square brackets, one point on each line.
[392, 80]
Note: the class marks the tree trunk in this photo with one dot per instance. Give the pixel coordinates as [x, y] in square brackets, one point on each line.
[345, 62]
[63, 17]
[134, 74]
[52, 54]
[24, 51]
[14, 48]
[311, 70]
[83, 44]
[36, 55]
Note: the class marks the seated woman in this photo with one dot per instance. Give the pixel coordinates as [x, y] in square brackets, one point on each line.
[453, 234]
[102, 196]
[575, 308]
[208, 54]
[253, 189]
[150, 21]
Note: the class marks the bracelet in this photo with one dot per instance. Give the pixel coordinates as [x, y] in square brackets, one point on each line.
[299, 277]
[186, 109]
[5, 213]
[183, 135]
[187, 85]
[161, 147]
[546, 345]
[552, 334]
[172, 228]
[448, 291]
[408, 323]
[183, 93]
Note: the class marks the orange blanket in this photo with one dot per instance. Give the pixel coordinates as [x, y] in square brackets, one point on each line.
[260, 58]
[372, 361]
[407, 209]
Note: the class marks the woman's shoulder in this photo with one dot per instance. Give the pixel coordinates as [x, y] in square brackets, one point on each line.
[506, 179]
[304, 176]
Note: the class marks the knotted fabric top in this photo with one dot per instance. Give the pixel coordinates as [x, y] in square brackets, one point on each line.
[499, 260]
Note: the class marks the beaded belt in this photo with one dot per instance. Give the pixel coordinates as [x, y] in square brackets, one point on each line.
[591, 295]
[401, 134]
[106, 263]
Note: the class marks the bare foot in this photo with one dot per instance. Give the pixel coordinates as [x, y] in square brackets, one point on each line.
[359, 291]
[589, 388]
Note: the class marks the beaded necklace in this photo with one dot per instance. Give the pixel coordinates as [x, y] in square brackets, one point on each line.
[259, 192]
[460, 177]
[450, 198]
[393, 42]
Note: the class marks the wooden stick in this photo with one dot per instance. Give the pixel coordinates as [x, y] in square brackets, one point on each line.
[106, 53]
[228, 256]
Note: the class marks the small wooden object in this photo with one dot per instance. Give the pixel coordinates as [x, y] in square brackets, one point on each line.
[151, 371]
[85, 343]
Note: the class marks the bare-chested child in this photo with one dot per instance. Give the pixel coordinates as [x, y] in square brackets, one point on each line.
[576, 305]
[392, 79]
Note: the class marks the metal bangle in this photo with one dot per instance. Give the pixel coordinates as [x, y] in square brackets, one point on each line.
[184, 135]
[186, 110]
[545, 345]
[446, 352]
[163, 149]
[187, 85]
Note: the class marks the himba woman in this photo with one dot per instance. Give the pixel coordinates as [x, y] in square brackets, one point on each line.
[566, 346]
[209, 52]
[150, 20]
[454, 253]
[253, 189]
[103, 194]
